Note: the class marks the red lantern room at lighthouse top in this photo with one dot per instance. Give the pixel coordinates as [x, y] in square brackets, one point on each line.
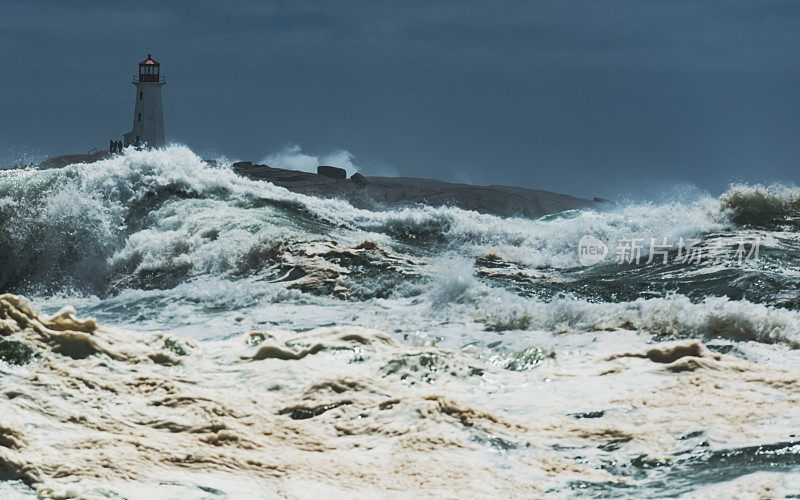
[149, 69]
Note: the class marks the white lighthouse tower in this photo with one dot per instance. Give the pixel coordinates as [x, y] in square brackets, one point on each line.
[148, 113]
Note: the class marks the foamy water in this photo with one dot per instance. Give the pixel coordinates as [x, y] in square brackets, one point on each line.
[431, 350]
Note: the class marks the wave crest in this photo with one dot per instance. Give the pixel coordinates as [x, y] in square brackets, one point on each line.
[762, 206]
[674, 316]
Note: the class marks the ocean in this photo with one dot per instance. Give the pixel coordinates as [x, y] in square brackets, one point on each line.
[251, 342]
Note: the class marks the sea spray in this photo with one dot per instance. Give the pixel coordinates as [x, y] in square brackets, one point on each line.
[449, 345]
[156, 218]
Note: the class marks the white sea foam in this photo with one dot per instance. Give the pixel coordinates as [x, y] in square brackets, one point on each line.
[167, 211]
[163, 219]
[349, 409]
[162, 241]
[675, 316]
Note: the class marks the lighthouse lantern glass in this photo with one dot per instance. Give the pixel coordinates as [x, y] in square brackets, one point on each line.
[149, 71]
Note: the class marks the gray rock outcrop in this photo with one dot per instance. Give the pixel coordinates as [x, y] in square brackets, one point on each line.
[64, 160]
[332, 172]
[359, 179]
[378, 193]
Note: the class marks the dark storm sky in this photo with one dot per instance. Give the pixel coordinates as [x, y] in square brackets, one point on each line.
[587, 97]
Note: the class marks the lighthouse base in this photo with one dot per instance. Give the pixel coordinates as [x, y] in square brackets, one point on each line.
[130, 139]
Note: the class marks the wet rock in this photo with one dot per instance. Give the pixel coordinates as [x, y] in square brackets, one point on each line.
[332, 172]
[380, 193]
[359, 179]
[64, 160]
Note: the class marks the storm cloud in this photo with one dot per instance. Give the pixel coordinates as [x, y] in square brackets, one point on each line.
[591, 98]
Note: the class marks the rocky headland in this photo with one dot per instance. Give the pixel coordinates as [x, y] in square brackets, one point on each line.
[380, 193]
[377, 193]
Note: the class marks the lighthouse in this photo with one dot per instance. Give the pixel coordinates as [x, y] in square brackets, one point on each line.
[148, 113]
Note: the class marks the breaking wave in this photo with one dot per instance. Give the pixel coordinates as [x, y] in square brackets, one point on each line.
[762, 206]
[674, 316]
[153, 219]
[431, 347]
